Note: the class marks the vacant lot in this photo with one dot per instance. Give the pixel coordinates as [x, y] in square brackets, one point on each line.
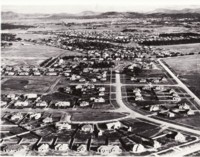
[188, 68]
[95, 116]
[182, 48]
[27, 84]
[30, 54]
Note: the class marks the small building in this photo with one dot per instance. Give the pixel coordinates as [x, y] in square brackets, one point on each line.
[43, 147]
[35, 115]
[84, 103]
[99, 100]
[109, 149]
[114, 125]
[42, 104]
[21, 103]
[82, 148]
[63, 104]
[138, 148]
[88, 128]
[16, 116]
[62, 147]
[177, 136]
[63, 125]
[31, 96]
[47, 120]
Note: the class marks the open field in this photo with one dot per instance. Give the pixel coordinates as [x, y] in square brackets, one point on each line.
[31, 54]
[188, 68]
[182, 48]
[95, 116]
[27, 84]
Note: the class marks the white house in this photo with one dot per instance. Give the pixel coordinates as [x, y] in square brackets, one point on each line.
[114, 125]
[63, 125]
[138, 148]
[109, 149]
[99, 100]
[82, 148]
[87, 128]
[47, 120]
[21, 103]
[31, 96]
[42, 104]
[43, 147]
[84, 103]
[62, 103]
[62, 147]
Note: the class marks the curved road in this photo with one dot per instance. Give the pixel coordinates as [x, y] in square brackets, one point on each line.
[133, 114]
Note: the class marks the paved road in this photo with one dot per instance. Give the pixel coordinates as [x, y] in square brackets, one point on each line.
[133, 114]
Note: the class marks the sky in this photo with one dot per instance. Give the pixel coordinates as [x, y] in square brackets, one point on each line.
[77, 6]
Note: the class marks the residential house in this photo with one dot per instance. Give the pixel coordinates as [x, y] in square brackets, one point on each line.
[63, 125]
[88, 128]
[113, 125]
[177, 136]
[44, 147]
[62, 147]
[82, 148]
[41, 104]
[21, 103]
[62, 104]
[47, 120]
[84, 103]
[99, 100]
[138, 148]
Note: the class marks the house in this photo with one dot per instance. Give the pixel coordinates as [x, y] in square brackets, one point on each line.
[94, 80]
[42, 104]
[35, 115]
[138, 94]
[177, 136]
[138, 148]
[99, 100]
[11, 73]
[139, 98]
[109, 149]
[84, 103]
[190, 112]
[88, 128]
[154, 108]
[47, 120]
[79, 86]
[63, 125]
[114, 125]
[3, 103]
[62, 147]
[21, 103]
[16, 116]
[82, 148]
[82, 80]
[52, 73]
[133, 79]
[43, 147]
[36, 73]
[101, 94]
[176, 98]
[67, 89]
[184, 106]
[62, 103]
[31, 96]
[102, 89]
[136, 90]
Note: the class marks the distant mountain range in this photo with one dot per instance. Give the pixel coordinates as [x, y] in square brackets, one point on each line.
[187, 13]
